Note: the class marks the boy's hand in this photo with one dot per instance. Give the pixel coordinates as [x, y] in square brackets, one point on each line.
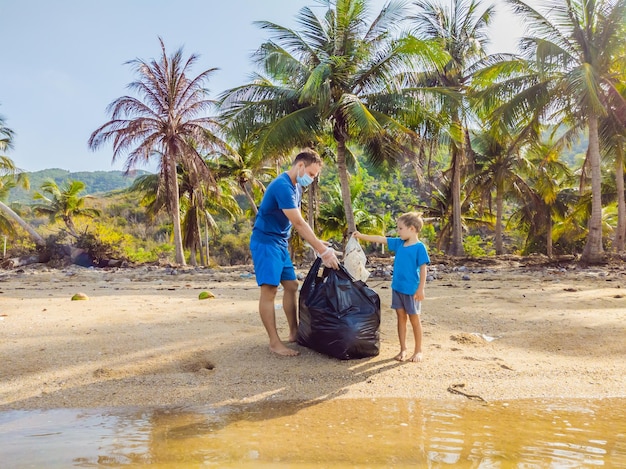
[356, 235]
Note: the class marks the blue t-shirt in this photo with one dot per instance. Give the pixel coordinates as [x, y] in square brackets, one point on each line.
[406, 265]
[272, 225]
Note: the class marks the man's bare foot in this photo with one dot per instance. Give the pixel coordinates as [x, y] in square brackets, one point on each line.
[401, 356]
[284, 351]
[417, 357]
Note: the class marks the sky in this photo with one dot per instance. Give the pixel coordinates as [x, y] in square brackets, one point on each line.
[63, 62]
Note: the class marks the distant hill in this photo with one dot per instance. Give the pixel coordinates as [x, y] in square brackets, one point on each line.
[96, 182]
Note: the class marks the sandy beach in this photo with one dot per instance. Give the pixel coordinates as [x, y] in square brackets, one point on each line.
[495, 330]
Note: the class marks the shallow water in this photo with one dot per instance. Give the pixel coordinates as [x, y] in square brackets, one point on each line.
[363, 433]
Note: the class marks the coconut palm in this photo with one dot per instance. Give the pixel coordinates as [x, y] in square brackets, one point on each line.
[612, 128]
[462, 31]
[498, 167]
[337, 75]
[247, 167]
[217, 199]
[11, 176]
[6, 136]
[549, 182]
[613, 139]
[167, 122]
[63, 203]
[572, 49]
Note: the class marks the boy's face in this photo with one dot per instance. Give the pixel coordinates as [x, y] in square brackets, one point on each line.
[405, 232]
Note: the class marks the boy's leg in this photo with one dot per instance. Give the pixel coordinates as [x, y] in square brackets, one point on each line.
[416, 324]
[401, 334]
[268, 317]
[290, 306]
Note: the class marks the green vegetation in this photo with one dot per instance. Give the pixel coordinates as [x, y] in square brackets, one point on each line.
[96, 182]
[422, 121]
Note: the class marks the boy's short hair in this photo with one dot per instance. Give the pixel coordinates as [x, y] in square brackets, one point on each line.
[413, 219]
[309, 157]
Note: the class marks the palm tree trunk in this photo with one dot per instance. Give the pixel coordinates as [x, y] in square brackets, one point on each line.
[250, 198]
[206, 234]
[36, 237]
[70, 225]
[311, 205]
[593, 252]
[192, 256]
[456, 245]
[499, 210]
[549, 233]
[200, 250]
[345, 186]
[620, 234]
[175, 212]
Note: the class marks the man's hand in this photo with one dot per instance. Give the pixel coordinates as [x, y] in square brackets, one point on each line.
[329, 258]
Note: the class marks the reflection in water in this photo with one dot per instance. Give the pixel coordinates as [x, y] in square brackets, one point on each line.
[341, 433]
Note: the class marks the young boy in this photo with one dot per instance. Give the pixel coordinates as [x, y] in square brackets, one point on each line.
[409, 278]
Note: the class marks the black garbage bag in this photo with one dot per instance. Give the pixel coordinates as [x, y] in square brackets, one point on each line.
[338, 316]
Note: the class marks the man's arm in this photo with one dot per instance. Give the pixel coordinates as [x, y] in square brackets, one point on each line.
[302, 227]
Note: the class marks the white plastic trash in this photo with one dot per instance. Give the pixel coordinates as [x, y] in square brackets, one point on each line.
[354, 260]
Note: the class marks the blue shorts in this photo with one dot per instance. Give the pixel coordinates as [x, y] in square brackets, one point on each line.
[272, 264]
[406, 302]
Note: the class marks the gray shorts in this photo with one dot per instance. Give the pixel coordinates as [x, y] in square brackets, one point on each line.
[406, 302]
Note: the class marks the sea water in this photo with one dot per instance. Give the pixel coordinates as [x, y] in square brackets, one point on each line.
[340, 433]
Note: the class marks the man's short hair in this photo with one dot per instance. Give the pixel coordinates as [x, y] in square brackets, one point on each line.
[308, 156]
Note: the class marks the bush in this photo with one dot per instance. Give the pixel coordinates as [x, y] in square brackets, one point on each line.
[232, 250]
[474, 246]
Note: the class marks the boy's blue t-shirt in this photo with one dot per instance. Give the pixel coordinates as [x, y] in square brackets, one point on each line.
[271, 224]
[406, 265]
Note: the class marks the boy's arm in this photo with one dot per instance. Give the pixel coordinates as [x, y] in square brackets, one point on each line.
[419, 294]
[370, 238]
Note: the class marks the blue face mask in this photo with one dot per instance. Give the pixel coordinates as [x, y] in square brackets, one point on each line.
[304, 180]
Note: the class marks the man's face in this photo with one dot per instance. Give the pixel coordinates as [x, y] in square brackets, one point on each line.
[312, 170]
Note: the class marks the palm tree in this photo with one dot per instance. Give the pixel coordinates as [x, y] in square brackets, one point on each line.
[573, 47]
[218, 200]
[549, 181]
[6, 136]
[63, 203]
[166, 122]
[612, 130]
[498, 167]
[462, 32]
[11, 176]
[243, 165]
[337, 75]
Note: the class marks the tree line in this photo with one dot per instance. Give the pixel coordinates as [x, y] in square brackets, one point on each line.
[410, 89]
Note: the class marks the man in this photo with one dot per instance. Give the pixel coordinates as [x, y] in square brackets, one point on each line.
[278, 213]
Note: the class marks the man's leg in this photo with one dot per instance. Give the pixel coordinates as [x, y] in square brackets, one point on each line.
[268, 317]
[290, 305]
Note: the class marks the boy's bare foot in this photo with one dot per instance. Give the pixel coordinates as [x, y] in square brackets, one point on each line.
[417, 357]
[401, 356]
[284, 351]
[292, 339]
